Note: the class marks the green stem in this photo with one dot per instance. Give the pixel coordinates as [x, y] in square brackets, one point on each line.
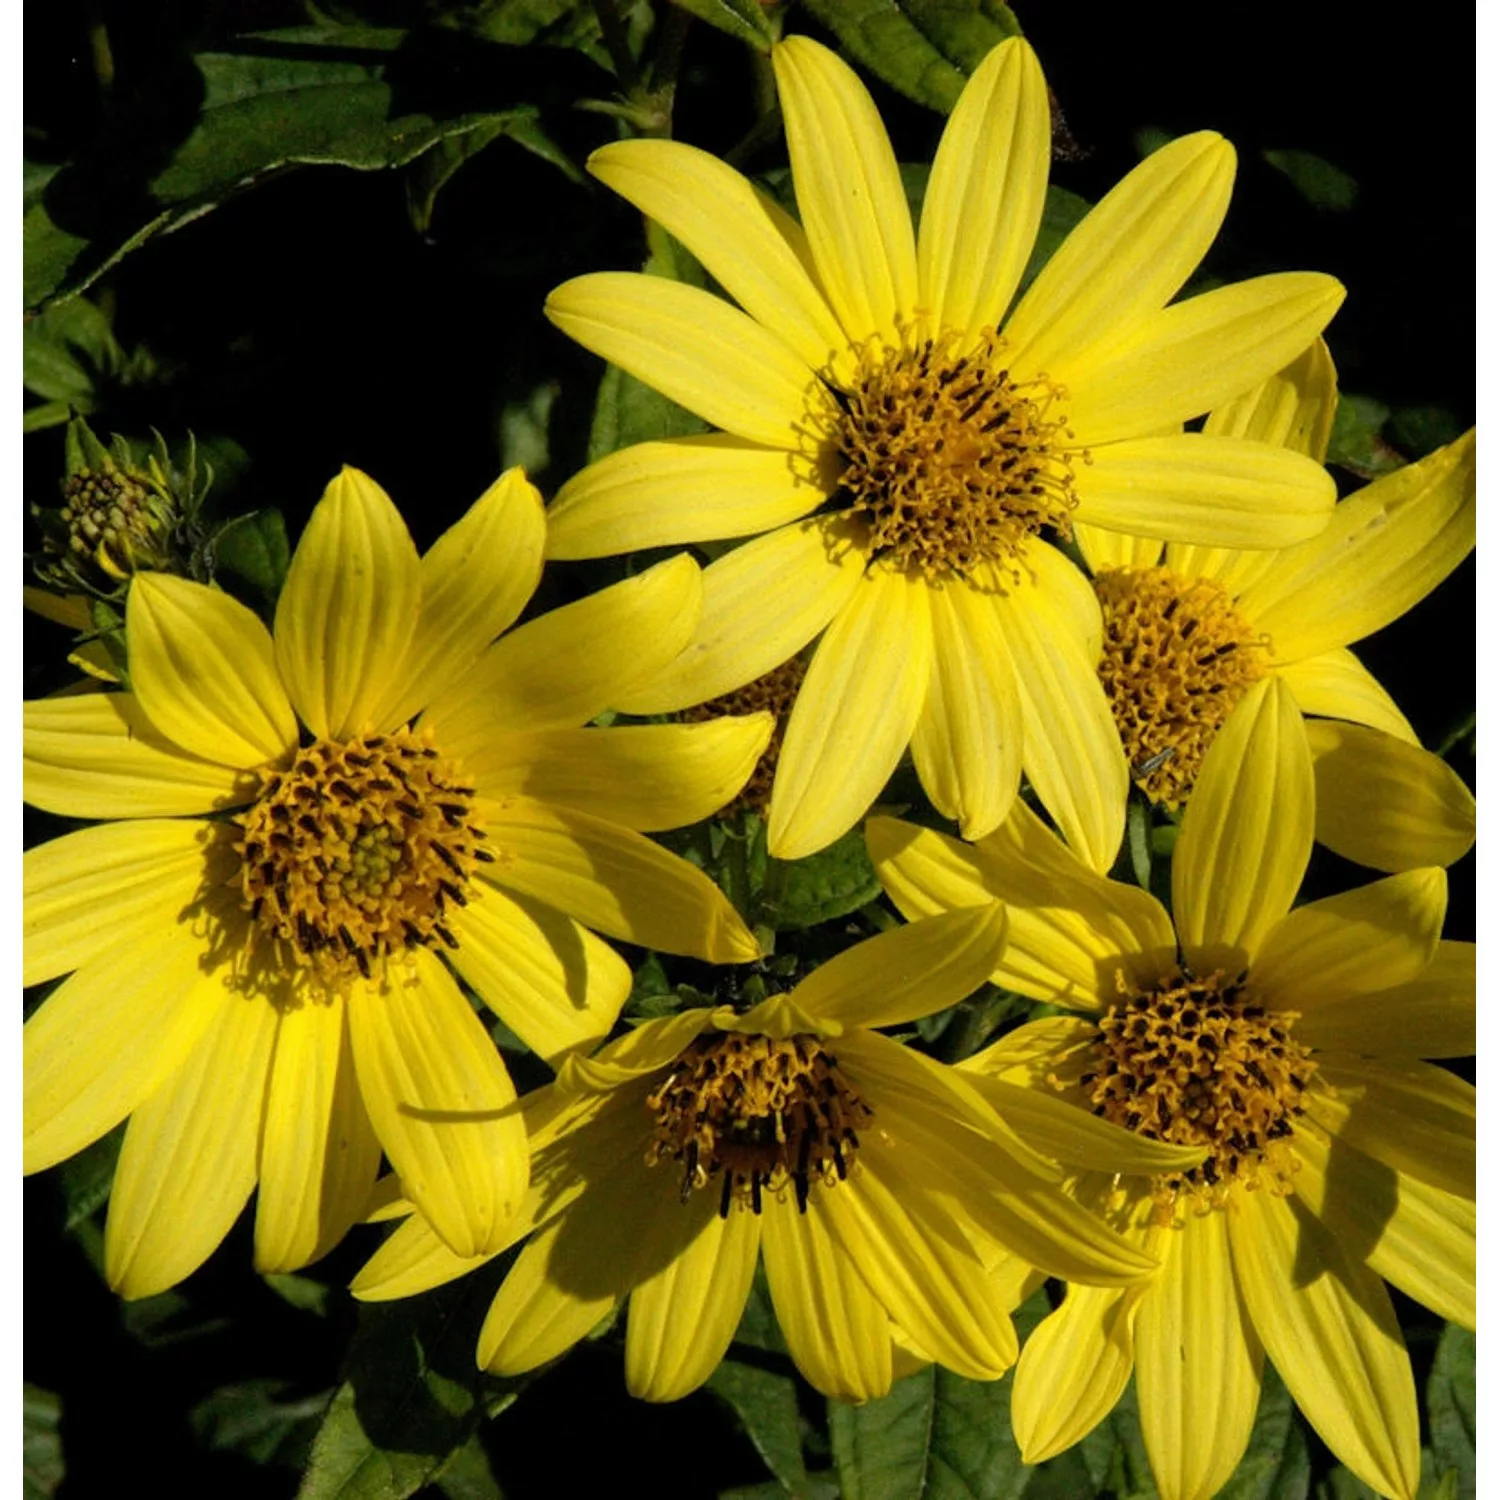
[1460, 731]
[617, 44]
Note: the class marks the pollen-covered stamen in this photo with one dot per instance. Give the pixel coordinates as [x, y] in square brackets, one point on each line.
[951, 462]
[1177, 658]
[758, 1113]
[776, 692]
[1198, 1062]
[358, 851]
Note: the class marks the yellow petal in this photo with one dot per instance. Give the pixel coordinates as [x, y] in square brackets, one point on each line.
[1431, 1016]
[1031, 1054]
[985, 195]
[346, 613]
[106, 889]
[614, 881]
[641, 776]
[682, 1318]
[98, 756]
[854, 714]
[1388, 546]
[1413, 1116]
[318, 1151]
[1197, 1362]
[561, 669]
[849, 192]
[204, 672]
[412, 1260]
[908, 972]
[188, 1162]
[551, 981]
[647, 1049]
[762, 603]
[441, 1102]
[1194, 488]
[1335, 685]
[72, 610]
[696, 349]
[1385, 803]
[476, 578]
[1072, 751]
[1247, 836]
[106, 1037]
[1417, 1237]
[692, 489]
[749, 245]
[1128, 257]
[1234, 571]
[1294, 408]
[1115, 549]
[1327, 1324]
[834, 1328]
[967, 742]
[1188, 358]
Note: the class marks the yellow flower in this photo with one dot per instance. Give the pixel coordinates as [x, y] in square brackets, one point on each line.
[878, 1186]
[901, 450]
[1187, 630]
[270, 993]
[1289, 1045]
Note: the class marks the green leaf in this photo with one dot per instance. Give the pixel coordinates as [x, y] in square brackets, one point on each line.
[468, 1476]
[41, 1445]
[832, 883]
[301, 1292]
[765, 1402]
[65, 349]
[86, 1178]
[1324, 185]
[1060, 215]
[255, 1418]
[628, 411]
[1419, 430]
[925, 48]
[1356, 442]
[1450, 1406]
[745, 20]
[252, 551]
[1276, 1465]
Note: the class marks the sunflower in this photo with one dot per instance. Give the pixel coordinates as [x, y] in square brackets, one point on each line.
[1290, 1046]
[263, 948]
[904, 454]
[1187, 631]
[883, 1193]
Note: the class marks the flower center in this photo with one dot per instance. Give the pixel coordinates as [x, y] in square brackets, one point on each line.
[114, 521]
[356, 851]
[776, 692]
[951, 462]
[759, 1112]
[1196, 1062]
[1177, 658]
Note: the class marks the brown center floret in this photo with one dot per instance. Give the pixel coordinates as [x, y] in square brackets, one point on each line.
[951, 463]
[759, 1112]
[1177, 658]
[776, 692]
[356, 852]
[1197, 1062]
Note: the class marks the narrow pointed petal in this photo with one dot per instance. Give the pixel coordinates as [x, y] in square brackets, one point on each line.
[908, 972]
[614, 881]
[967, 741]
[1234, 571]
[476, 579]
[412, 1260]
[1328, 1326]
[1388, 546]
[682, 1318]
[849, 193]
[441, 1102]
[1417, 1237]
[318, 1151]
[1115, 549]
[1128, 257]
[691, 489]
[1413, 1116]
[646, 1049]
[204, 672]
[1193, 488]
[762, 603]
[1385, 803]
[1431, 1016]
[549, 979]
[854, 715]
[1335, 685]
[188, 1162]
[561, 669]
[1197, 1362]
[1294, 408]
[749, 245]
[98, 756]
[1382, 934]
[642, 776]
[696, 349]
[984, 198]
[834, 1328]
[1032, 1053]
[102, 890]
[1248, 834]
[107, 1036]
